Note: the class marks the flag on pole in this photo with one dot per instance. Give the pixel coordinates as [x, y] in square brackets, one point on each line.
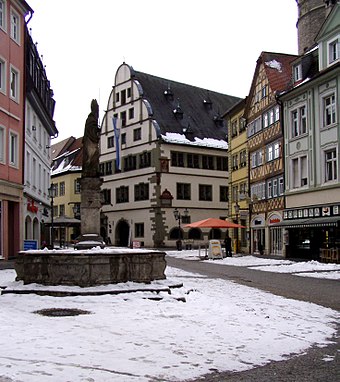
[116, 131]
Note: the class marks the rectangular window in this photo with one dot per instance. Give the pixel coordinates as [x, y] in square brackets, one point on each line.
[2, 14]
[333, 51]
[130, 163]
[329, 110]
[106, 196]
[269, 189]
[234, 161]
[281, 186]
[271, 117]
[269, 153]
[298, 121]
[129, 92]
[277, 113]
[13, 149]
[224, 191]
[123, 139]
[299, 173]
[297, 72]
[193, 160]
[205, 192]
[139, 229]
[243, 158]
[123, 96]
[122, 194]
[62, 210]
[131, 113]
[274, 188]
[265, 120]
[234, 193]
[145, 159]
[331, 165]
[207, 162]
[137, 134]
[234, 128]
[15, 26]
[141, 191]
[110, 142]
[177, 159]
[123, 118]
[108, 168]
[77, 186]
[2, 144]
[2, 76]
[62, 188]
[276, 150]
[183, 191]
[14, 88]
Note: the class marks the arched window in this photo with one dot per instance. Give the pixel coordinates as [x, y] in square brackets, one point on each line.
[215, 233]
[176, 234]
[195, 234]
[28, 228]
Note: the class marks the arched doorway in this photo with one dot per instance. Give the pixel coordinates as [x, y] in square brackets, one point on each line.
[36, 230]
[122, 233]
[28, 228]
[195, 234]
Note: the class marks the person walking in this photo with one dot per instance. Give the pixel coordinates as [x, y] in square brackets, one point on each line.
[227, 244]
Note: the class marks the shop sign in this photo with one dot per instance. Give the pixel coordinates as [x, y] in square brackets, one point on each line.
[274, 219]
[326, 211]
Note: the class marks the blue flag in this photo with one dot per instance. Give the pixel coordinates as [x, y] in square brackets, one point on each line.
[117, 141]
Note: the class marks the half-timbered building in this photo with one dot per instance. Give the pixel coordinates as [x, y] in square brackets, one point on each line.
[264, 132]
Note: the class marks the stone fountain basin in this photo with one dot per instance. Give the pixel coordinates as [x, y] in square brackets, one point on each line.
[90, 267]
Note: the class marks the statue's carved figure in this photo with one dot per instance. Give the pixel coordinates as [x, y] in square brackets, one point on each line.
[91, 143]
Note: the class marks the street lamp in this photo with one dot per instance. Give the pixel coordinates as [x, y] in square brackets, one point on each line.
[179, 218]
[52, 192]
[237, 211]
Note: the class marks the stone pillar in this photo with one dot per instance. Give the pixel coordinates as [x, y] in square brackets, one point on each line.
[90, 205]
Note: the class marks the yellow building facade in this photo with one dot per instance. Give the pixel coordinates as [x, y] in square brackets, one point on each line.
[238, 177]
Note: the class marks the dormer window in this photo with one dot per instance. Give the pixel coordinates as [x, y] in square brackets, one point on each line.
[178, 111]
[297, 72]
[334, 51]
[168, 93]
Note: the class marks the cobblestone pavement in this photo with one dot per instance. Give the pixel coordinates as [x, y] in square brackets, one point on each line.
[318, 364]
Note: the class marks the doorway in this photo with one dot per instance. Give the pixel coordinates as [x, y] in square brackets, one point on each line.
[122, 233]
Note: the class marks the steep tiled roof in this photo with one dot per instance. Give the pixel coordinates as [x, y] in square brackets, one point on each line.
[278, 69]
[70, 157]
[61, 146]
[175, 106]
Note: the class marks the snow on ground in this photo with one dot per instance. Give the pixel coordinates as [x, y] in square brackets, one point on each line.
[130, 337]
[312, 268]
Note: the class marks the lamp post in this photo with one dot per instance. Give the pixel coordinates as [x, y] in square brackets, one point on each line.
[237, 211]
[52, 195]
[178, 216]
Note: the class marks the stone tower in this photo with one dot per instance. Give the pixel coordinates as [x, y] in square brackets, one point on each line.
[311, 15]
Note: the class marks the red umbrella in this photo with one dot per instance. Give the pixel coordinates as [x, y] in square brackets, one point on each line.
[213, 223]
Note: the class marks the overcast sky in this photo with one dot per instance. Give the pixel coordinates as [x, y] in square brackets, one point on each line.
[211, 44]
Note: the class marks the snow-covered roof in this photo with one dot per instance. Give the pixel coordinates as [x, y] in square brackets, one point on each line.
[177, 138]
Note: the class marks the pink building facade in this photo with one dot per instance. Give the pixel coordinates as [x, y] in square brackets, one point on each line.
[13, 15]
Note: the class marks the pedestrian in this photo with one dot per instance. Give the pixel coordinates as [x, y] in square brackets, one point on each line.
[227, 244]
[261, 248]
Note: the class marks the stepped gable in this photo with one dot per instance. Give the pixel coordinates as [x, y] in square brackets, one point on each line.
[179, 107]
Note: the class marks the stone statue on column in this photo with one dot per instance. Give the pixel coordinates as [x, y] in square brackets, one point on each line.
[90, 184]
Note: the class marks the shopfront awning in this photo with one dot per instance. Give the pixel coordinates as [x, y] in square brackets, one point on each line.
[325, 221]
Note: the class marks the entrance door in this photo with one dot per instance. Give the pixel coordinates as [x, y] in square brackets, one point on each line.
[258, 239]
[276, 241]
[122, 234]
